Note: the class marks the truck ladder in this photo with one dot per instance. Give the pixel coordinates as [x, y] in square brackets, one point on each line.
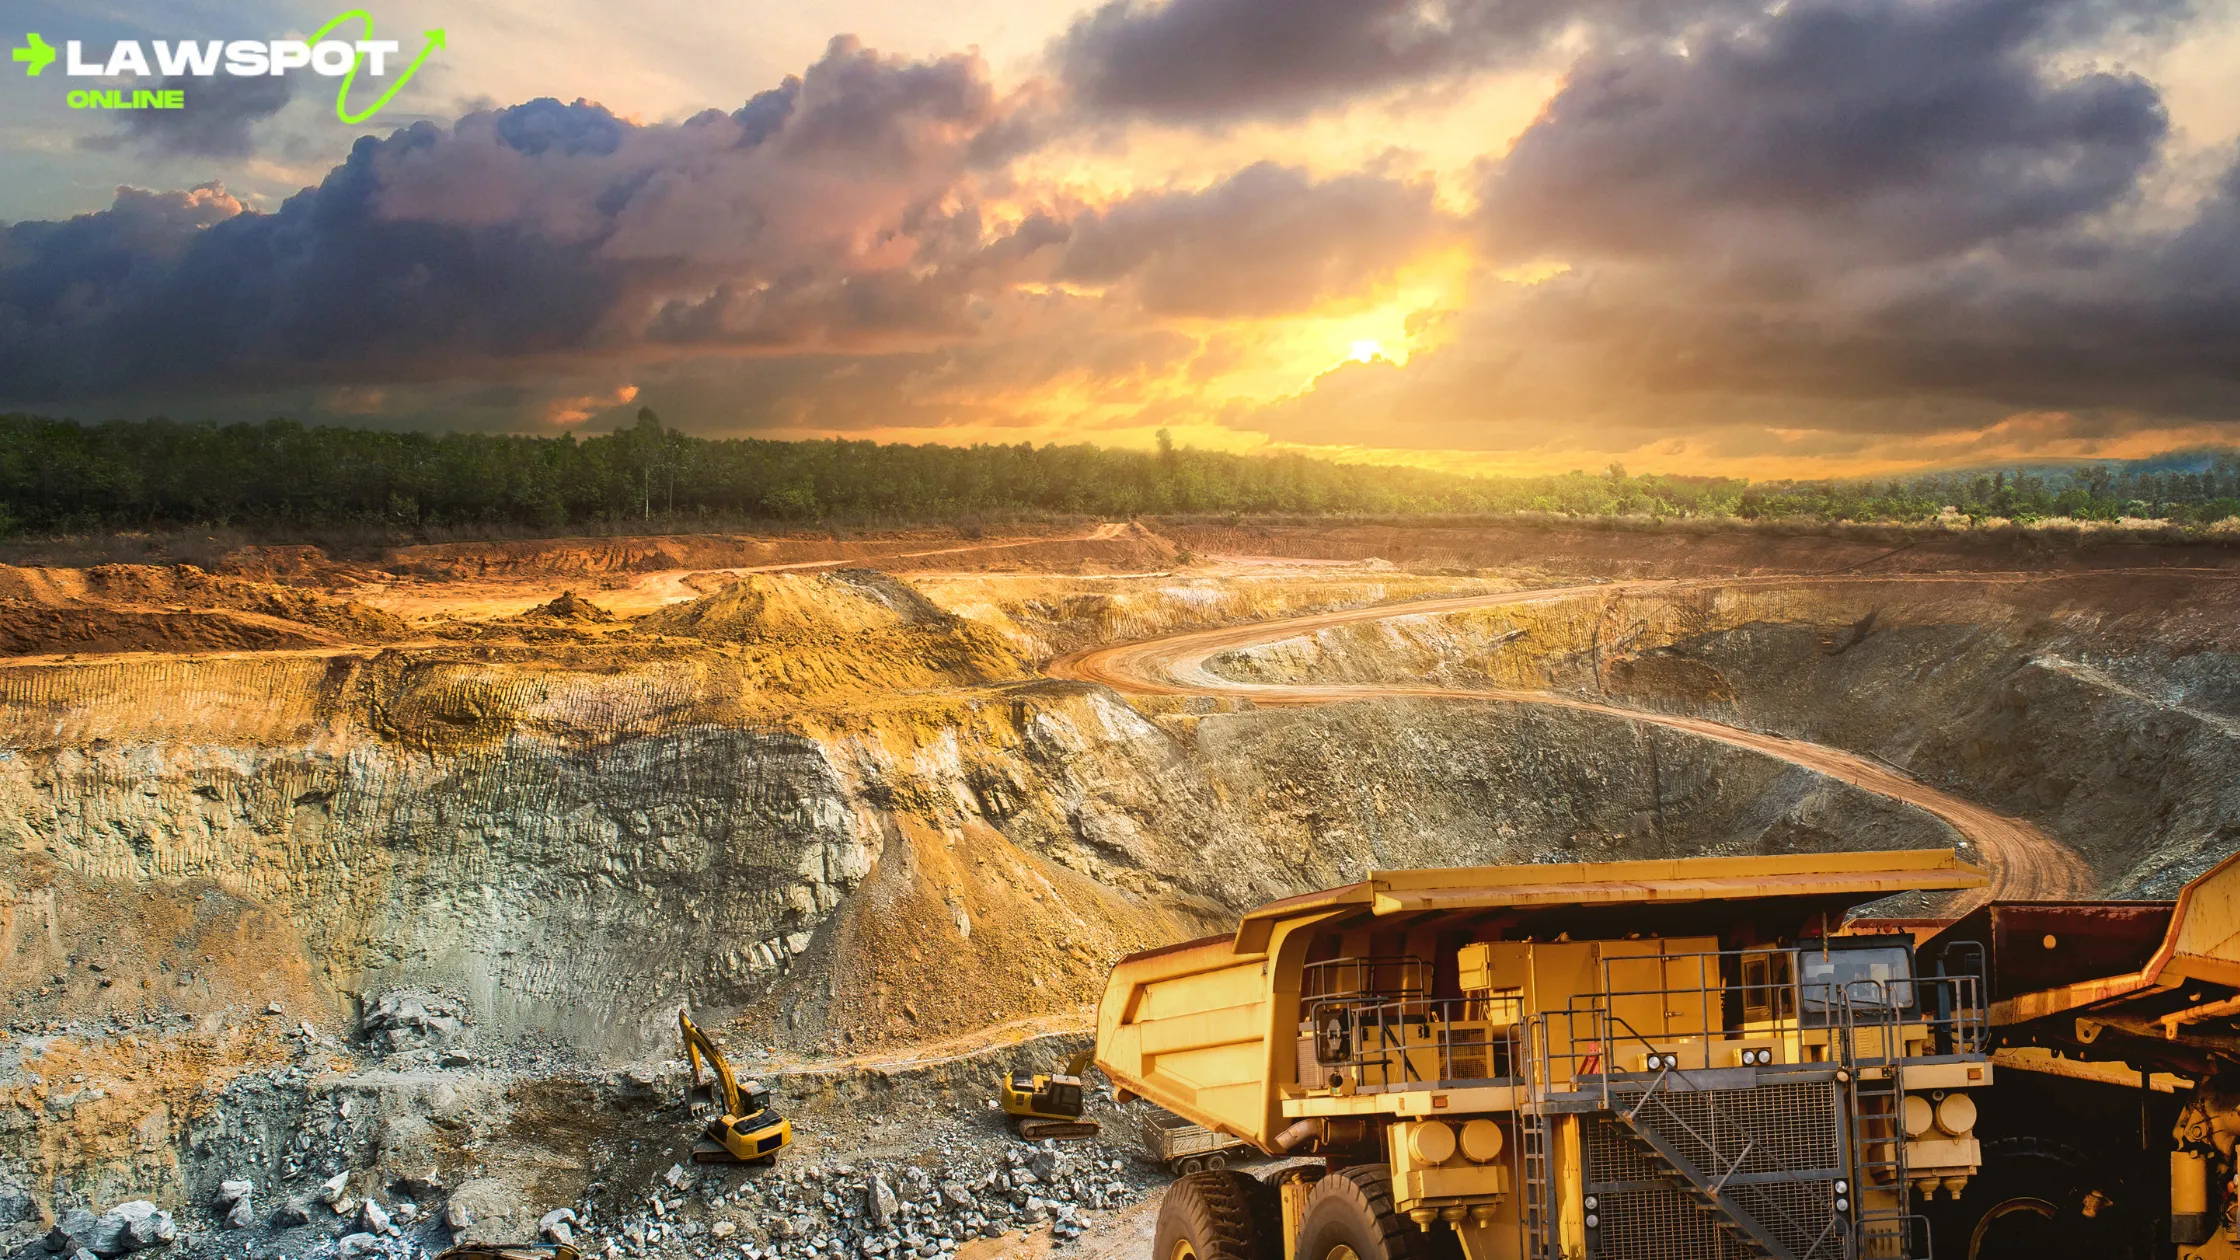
[1535, 1172]
[1875, 1115]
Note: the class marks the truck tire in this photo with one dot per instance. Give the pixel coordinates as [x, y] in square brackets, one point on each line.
[2027, 1201]
[1349, 1216]
[1213, 1216]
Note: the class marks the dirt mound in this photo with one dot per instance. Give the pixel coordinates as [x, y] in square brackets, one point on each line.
[185, 589]
[1102, 548]
[29, 629]
[570, 608]
[779, 606]
[298, 565]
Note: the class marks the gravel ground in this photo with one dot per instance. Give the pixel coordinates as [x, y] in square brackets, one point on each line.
[404, 1156]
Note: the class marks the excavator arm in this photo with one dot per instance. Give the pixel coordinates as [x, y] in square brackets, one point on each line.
[697, 1048]
[1081, 1060]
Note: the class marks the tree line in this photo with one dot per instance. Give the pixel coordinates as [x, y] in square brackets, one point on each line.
[57, 477]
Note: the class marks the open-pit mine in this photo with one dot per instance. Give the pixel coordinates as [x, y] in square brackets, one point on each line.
[348, 901]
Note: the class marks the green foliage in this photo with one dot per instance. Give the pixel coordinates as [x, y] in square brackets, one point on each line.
[60, 477]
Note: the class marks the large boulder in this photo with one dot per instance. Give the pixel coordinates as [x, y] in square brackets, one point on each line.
[488, 1210]
[123, 1229]
[403, 1020]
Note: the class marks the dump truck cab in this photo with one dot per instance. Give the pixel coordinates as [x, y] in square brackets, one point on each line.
[1638, 1059]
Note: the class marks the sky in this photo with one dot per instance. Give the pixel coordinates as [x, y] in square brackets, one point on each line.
[1805, 238]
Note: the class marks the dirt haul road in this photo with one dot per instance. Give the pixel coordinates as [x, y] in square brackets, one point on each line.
[2025, 863]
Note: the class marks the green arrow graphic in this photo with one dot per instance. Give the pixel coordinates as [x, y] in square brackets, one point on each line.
[342, 97]
[38, 52]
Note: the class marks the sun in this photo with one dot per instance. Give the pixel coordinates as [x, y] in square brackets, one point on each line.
[1363, 351]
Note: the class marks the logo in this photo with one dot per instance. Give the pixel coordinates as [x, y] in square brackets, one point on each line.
[38, 52]
[339, 58]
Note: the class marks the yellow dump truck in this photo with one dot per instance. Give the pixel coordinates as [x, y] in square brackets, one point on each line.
[1681, 1058]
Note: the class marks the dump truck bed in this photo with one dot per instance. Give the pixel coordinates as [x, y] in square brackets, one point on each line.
[1171, 1140]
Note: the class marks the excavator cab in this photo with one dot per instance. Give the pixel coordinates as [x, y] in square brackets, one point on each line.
[743, 1128]
[1048, 1105]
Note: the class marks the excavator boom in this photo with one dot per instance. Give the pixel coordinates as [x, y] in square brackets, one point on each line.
[745, 1127]
[697, 1047]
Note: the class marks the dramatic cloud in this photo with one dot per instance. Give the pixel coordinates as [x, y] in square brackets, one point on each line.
[216, 123]
[1903, 130]
[828, 207]
[1842, 224]
[1267, 239]
[1711, 234]
[1214, 61]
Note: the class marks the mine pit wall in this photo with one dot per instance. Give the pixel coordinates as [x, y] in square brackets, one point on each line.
[571, 853]
[573, 886]
[2105, 708]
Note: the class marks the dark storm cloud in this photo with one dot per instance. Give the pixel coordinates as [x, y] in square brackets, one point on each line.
[1215, 61]
[216, 121]
[1209, 60]
[1267, 239]
[1899, 129]
[527, 231]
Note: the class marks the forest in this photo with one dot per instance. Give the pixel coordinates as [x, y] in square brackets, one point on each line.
[61, 477]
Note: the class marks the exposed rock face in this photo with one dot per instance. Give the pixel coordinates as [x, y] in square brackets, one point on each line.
[835, 835]
[2104, 707]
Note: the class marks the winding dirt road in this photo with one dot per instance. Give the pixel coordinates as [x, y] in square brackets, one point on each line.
[2025, 863]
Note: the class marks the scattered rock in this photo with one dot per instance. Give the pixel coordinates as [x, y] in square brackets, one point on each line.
[290, 1215]
[354, 1246]
[373, 1220]
[723, 1229]
[674, 1178]
[879, 1202]
[138, 1225]
[331, 1191]
[232, 1192]
[558, 1226]
[233, 1202]
[16, 1205]
[456, 1216]
[408, 1019]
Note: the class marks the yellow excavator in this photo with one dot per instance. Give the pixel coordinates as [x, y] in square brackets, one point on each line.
[744, 1128]
[1048, 1105]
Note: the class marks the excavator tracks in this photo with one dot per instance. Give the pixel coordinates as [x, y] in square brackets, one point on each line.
[1061, 1130]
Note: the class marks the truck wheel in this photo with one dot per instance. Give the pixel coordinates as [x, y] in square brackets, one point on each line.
[1216, 1162]
[1188, 1166]
[1211, 1216]
[1349, 1216]
[2026, 1204]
